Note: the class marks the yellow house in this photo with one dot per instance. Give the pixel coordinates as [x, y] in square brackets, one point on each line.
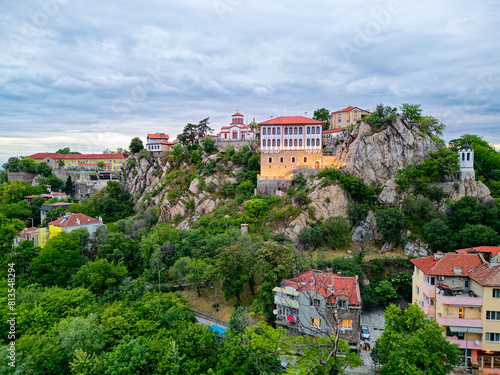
[110, 162]
[289, 143]
[462, 293]
[345, 117]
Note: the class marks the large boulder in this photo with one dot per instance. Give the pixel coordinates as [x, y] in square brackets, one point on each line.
[378, 156]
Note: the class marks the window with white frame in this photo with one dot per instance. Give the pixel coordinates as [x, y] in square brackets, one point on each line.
[493, 336]
[430, 280]
[345, 323]
[493, 315]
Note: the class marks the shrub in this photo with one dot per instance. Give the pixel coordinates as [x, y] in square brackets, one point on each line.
[337, 232]
[356, 213]
[301, 198]
[390, 223]
[257, 208]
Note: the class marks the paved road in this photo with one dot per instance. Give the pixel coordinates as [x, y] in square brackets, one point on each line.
[374, 319]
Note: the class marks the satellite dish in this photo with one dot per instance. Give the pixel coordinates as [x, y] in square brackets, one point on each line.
[477, 342]
[275, 312]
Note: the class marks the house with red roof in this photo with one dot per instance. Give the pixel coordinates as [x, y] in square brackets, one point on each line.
[236, 130]
[320, 303]
[158, 143]
[461, 291]
[110, 162]
[70, 222]
[289, 144]
[341, 119]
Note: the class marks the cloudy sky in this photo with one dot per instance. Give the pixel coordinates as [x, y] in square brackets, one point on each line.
[93, 74]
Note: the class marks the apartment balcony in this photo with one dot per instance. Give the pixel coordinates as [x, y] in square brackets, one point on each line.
[462, 344]
[460, 300]
[286, 302]
[460, 322]
[429, 290]
[429, 310]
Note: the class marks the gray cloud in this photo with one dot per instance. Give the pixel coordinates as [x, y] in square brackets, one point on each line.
[93, 75]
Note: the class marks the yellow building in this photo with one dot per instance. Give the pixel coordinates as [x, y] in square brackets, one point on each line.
[345, 117]
[110, 162]
[462, 293]
[289, 143]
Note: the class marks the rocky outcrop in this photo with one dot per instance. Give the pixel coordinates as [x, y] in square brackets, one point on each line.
[455, 191]
[377, 157]
[327, 201]
[365, 231]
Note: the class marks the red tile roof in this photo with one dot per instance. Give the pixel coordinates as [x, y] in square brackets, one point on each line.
[162, 143]
[331, 131]
[53, 155]
[291, 120]
[486, 275]
[350, 108]
[492, 250]
[158, 136]
[71, 220]
[329, 285]
[237, 114]
[445, 265]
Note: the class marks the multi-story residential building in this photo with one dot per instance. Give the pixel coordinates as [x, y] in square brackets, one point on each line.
[110, 162]
[289, 143]
[462, 293]
[158, 143]
[70, 222]
[237, 130]
[319, 303]
[345, 117]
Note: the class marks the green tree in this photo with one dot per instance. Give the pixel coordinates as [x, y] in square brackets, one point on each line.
[129, 357]
[438, 235]
[235, 265]
[57, 261]
[136, 145]
[386, 291]
[381, 117]
[411, 332]
[100, 164]
[323, 114]
[192, 132]
[84, 334]
[477, 235]
[100, 275]
[12, 191]
[209, 146]
[390, 223]
[337, 232]
[411, 112]
[194, 271]
[431, 125]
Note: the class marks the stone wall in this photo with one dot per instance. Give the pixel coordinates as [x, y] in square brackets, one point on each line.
[21, 176]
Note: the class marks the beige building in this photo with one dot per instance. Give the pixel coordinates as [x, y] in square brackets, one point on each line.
[289, 143]
[345, 117]
[462, 293]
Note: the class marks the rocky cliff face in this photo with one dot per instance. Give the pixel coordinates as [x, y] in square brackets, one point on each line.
[377, 157]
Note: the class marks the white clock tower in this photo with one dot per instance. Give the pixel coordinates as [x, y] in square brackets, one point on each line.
[466, 161]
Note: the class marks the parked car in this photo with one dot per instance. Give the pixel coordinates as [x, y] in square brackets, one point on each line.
[365, 332]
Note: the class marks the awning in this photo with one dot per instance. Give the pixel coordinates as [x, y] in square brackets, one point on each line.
[466, 330]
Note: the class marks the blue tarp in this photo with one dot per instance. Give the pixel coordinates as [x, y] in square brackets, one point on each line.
[219, 330]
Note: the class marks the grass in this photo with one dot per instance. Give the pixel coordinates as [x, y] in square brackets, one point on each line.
[205, 303]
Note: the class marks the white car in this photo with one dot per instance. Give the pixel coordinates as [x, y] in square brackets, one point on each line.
[365, 332]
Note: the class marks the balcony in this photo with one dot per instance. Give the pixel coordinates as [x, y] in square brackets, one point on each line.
[286, 302]
[460, 300]
[469, 344]
[459, 322]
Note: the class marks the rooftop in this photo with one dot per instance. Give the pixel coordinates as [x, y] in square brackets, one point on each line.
[328, 284]
[291, 120]
[448, 264]
[56, 156]
[71, 220]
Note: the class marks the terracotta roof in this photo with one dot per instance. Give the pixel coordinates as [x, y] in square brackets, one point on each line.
[237, 114]
[158, 136]
[162, 143]
[291, 120]
[447, 263]
[53, 155]
[492, 250]
[486, 275]
[329, 285]
[331, 131]
[71, 220]
[347, 109]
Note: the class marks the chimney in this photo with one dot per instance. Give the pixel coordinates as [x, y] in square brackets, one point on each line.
[438, 255]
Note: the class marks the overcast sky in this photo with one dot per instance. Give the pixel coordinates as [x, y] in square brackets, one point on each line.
[94, 74]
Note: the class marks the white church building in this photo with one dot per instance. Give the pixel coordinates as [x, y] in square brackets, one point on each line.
[466, 162]
[237, 130]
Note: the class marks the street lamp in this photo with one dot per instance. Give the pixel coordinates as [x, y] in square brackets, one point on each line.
[159, 283]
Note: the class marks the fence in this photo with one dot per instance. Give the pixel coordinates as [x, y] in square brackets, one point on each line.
[218, 322]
